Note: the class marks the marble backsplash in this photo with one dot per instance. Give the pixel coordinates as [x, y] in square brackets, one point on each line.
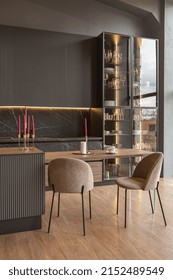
[49, 122]
[54, 123]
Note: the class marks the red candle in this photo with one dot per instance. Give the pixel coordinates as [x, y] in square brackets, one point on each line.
[19, 131]
[28, 125]
[26, 117]
[33, 126]
[24, 124]
[86, 133]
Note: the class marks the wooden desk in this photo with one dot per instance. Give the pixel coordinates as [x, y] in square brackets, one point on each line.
[96, 157]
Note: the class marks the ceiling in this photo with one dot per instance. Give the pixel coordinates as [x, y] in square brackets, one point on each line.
[125, 7]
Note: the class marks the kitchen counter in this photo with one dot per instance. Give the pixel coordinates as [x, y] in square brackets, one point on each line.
[49, 144]
[50, 139]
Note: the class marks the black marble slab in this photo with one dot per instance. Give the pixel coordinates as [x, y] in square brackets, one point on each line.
[67, 146]
[55, 129]
[52, 123]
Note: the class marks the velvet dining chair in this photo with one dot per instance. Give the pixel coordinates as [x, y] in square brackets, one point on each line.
[69, 175]
[145, 178]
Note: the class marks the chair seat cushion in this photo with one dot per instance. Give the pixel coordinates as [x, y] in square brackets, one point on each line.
[132, 183]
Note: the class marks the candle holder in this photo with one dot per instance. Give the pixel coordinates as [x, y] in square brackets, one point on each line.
[27, 140]
[24, 142]
[19, 138]
[86, 140]
[33, 138]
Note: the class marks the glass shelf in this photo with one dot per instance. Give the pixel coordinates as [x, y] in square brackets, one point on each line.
[117, 120]
[116, 134]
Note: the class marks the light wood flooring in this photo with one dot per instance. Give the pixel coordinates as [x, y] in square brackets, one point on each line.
[145, 237]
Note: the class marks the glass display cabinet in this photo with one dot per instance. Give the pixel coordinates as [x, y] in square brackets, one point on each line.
[116, 88]
[116, 98]
[129, 92]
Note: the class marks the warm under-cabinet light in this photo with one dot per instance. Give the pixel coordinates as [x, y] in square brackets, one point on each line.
[44, 108]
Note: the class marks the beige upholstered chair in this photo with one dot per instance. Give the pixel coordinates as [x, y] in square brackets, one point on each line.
[145, 177]
[68, 175]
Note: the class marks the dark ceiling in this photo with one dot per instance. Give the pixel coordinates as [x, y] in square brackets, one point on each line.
[125, 7]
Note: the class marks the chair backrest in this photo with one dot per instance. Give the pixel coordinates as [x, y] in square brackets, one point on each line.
[68, 175]
[149, 168]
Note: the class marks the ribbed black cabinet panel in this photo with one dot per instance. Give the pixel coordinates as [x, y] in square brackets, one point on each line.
[21, 186]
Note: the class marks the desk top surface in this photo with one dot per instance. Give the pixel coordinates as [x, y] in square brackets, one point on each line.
[19, 151]
[96, 155]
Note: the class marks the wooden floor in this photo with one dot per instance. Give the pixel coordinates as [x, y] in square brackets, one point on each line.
[145, 237]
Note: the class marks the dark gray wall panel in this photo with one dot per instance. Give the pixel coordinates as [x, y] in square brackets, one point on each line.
[40, 68]
[81, 70]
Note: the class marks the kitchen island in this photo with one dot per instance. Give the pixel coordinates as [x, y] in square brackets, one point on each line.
[22, 189]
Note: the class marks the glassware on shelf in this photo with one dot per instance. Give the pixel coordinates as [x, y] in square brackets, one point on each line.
[106, 77]
[113, 57]
[123, 79]
[114, 83]
[112, 169]
[117, 57]
[108, 56]
[117, 114]
[121, 114]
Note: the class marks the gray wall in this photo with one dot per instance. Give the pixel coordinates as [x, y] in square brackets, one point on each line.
[44, 68]
[86, 17]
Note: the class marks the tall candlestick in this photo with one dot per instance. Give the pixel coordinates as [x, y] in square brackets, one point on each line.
[28, 131]
[28, 126]
[33, 131]
[19, 129]
[86, 132]
[33, 126]
[24, 124]
[25, 117]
